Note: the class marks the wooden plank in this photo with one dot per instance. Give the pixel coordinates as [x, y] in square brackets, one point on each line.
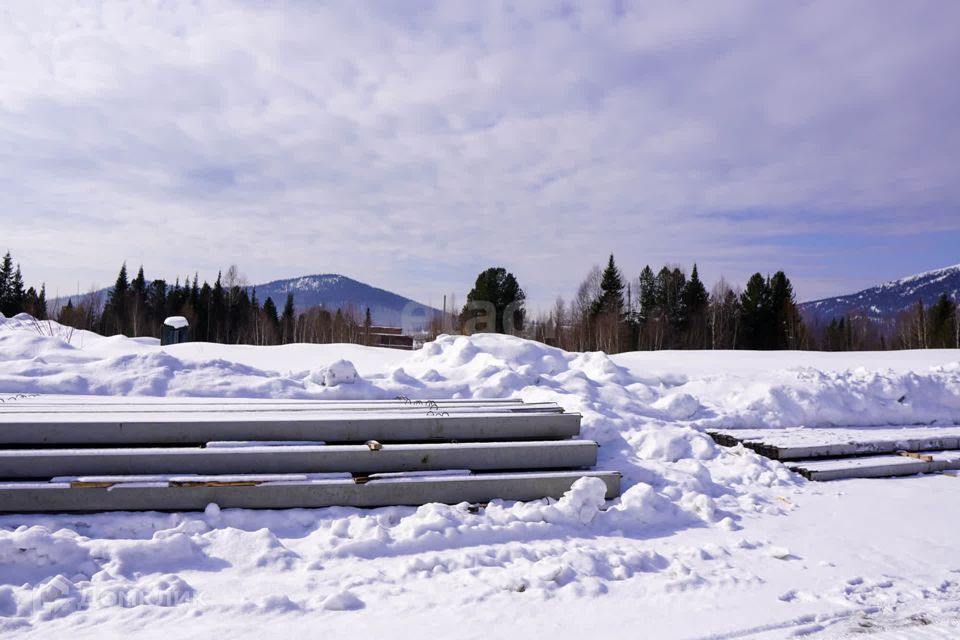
[33, 497]
[482, 456]
[918, 456]
[328, 428]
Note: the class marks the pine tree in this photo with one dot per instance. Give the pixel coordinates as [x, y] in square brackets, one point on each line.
[218, 309]
[836, 335]
[677, 310]
[256, 318]
[116, 314]
[138, 302]
[367, 325]
[156, 306]
[647, 294]
[288, 320]
[41, 313]
[941, 317]
[671, 313]
[176, 303]
[695, 302]
[755, 313]
[194, 292]
[611, 291]
[500, 289]
[6, 274]
[16, 293]
[272, 321]
[787, 325]
[694, 293]
[30, 302]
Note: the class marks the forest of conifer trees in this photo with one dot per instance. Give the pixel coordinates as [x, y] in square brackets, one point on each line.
[669, 310]
[226, 312]
[666, 309]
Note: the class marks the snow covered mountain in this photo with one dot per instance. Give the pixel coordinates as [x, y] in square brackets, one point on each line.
[885, 301]
[333, 291]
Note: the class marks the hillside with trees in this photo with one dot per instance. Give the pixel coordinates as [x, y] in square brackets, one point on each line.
[655, 310]
[228, 311]
[669, 310]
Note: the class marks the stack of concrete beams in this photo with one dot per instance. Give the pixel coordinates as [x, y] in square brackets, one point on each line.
[837, 453]
[69, 453]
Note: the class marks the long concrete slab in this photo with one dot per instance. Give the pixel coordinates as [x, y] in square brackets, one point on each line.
[226, 407]
[87, 401]
[332, 427]
[884, 466]
[808, 443]
[477, 456]
[32, 497]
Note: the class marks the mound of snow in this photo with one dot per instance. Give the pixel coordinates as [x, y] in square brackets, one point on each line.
[342, 601]
[649, 427]
[339, 372]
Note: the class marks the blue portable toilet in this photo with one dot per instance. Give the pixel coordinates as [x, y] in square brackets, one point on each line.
[175, 330]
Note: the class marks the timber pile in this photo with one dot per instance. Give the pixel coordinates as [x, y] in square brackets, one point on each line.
[853, 452]
[61, 453]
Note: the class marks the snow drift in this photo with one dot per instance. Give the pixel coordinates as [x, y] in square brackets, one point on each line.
[648, 426]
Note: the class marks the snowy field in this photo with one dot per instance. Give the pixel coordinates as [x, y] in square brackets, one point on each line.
[706, 542]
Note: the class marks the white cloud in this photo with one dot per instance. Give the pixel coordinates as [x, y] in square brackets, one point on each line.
[411, 145]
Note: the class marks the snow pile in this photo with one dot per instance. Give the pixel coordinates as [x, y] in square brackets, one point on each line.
[810, 397]
[176, 322]
[675, 478]
[339, 372]
[54, 359]
[55, 566]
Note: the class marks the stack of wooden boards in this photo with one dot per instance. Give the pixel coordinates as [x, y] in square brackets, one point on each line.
[834, 453]
[80, 453]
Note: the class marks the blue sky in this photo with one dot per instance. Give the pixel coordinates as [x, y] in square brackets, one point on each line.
[410, 145]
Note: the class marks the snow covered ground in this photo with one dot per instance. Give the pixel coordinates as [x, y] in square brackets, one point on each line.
[706, 542]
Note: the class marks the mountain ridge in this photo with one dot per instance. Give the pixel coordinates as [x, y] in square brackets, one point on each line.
[336, 291]
[884, 301]
[331, 291]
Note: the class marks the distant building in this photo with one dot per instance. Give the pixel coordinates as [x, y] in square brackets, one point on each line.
[391, 337]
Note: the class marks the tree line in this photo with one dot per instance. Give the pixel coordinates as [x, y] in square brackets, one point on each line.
[668, 309]
[228, 311]
[936, 326]
[14, 298]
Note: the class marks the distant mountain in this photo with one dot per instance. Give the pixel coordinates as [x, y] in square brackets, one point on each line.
[885, 301]
[333, 291]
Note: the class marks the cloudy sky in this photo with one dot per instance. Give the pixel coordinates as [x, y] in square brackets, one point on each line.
[411, 144]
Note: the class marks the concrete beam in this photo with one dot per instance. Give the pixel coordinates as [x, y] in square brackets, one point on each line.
[65, 411]
[32, 497]
[877, 466]
[155, 401]
[331, 427]
[865, 446]
[479, 456]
